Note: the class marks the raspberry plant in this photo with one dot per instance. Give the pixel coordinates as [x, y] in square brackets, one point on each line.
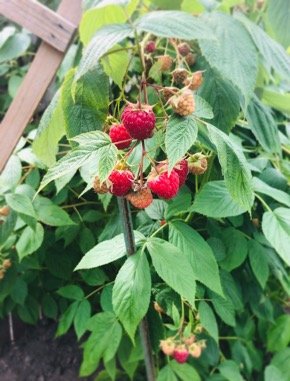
[173, 136]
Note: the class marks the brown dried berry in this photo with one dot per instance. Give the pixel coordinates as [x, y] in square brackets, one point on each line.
[168, 92]
[4, 211]
[179, 75]
[140, 199]
[190, 59]
[183, 48]
[195, 81]
[165, 62]
[197, 164]
[99, 187]
[2, 274]
[183, 104]
[157, 308]
[6, 264]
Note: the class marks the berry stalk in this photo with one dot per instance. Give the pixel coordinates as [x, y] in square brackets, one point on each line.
[131, 249]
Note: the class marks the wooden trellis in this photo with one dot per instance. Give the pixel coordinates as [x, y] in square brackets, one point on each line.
[56, 29]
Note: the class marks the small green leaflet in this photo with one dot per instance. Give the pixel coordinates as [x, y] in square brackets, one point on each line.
[95, 145]
[278, 195]
[167, 259]
[208, 320]
[106, 252]
[278, 14]
[230, 370]
[131, 292]
[276, 227]
[214, 200]
[202, 108]
[258, 262]
[278, 336]
[29, 241]
[229, 57]
[181, 133]
[21, 204]
[174, 24]
[235, 169]
[101, 43]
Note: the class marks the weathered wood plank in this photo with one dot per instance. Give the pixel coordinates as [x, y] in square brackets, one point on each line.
[33, 87]
[40, 20]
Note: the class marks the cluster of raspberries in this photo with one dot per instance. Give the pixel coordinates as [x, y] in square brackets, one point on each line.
[181, 349]
[138, 122]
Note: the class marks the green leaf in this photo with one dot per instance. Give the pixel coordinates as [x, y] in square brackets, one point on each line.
[166, 374]
[274, 56]
[278, 101]
[50, 130]
[157, 210]
[276, 227]
[7, 227]
[88, 109]
[71, 292]
[278, 13]
[174, 24]
[214, 200]
[258, 261]
[278, 195]
[224, 308]
[115, 65]
[49, 307]
[82, 315]
[19, 291]
[272, 373]
[131, 292]
[228, 57]
[179, 204]
[95, 145]
[107, 251]
[181, 133]
[14, 47]
[198, 253]
[29, 241]
[208, 320]
[67, 318]
[6, 33]
[281, 361]
[21, 204]
[50, 214]
[230, 370]
[168, 260]
[103, 342]
[11, 174]
[235, 168]
[202, 108]
[222, 96]
[236, 248]
[185, 372]
[278, 336]
[263, 126]
[103, 41]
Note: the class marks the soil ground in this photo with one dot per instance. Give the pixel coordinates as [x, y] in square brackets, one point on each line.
[38, 356]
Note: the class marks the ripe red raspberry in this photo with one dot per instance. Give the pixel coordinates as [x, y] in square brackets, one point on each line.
[163, 184]
[140, 199]
[181, 354]
[120, 136]
[150, 47]
[167, 346]
[99, 187]
[121, 181]
[183, 48]
[139, 122]
[181, 169]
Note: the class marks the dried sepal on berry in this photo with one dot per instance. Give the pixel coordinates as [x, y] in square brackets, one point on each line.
[197, 164]
[100, 188]
[183, 103]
